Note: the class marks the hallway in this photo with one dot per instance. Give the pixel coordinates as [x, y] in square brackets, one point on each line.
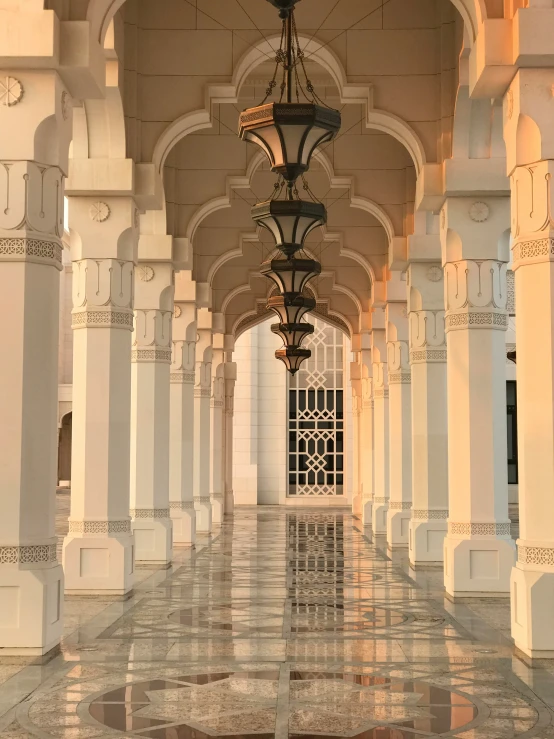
[289, 623]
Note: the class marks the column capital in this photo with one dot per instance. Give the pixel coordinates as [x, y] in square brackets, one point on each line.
[476, 295]
[103, 294]
[399, 371]
[532, 214]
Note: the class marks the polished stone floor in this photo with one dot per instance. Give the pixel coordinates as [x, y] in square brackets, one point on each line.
[289, 623]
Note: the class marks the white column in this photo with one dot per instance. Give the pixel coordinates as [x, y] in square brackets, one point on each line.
[202, 436]
[98, 550]
[31, 190]
[380, 433]
[530, 149]
[479, 551]
[181, 415]
[150, 370]
[367, 449]
[429, 414]
[400, 436]
[217, 402]
[230, 380]
[356, 383]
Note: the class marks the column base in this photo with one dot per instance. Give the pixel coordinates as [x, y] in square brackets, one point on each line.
[532, 593]
[379, 517]
[98, 565]
[153, 541]
[31, 616]
[427, 543]
[203, 508]
[478, 567]
[367, 512]
[218, 511]
[357, 505]
[398, 528]
[184, 526]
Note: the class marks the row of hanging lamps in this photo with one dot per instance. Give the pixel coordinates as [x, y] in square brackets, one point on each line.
[289, 133]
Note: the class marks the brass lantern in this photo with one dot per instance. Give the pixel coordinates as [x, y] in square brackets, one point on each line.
[289, 221]
[293, 357]
[291, 275]
[292, 334]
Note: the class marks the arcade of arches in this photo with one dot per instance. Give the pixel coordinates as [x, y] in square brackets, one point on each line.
[137, 368]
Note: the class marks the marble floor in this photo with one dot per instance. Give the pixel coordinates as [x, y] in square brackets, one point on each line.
[288, 623]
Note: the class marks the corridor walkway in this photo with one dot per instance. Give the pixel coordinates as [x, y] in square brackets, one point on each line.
[289, 623]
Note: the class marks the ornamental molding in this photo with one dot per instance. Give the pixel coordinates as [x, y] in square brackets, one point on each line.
[182, 378]
[32, 198]
[100, 527]
[202, 499]
[202, 392]
[11, 91]
[479, 529]
[43, 553]
[145, 273]
[102, 284]
[400, 378]
[150, 513]
[536, 555]
[475, 284]
[428, 356]
[103, 319]
[475, 320]
[427, 329]
[38, 251]
[380, 500]
[216, 403]
[399, 506]
[381, 392]
[434, 274]
[511, 297]
[177, 311]
[424, 514]
[181, 505]
[217, 496]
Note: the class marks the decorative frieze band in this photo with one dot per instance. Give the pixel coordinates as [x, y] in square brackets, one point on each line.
[181, 505]
[217, 496]
[381, 392]
[38, 251]
[202, 392]
[479, 529]
[43, 553]
[540, 250]
[202, 499]
[216, 403]
[182, 378]
[380, 500]
[400, 378]
[536, 555]
[100, 527]
[424, 356]
[103, 319]
[151, 355]
[399, 505]
[423, 514]
[149, 513]
[476, 319]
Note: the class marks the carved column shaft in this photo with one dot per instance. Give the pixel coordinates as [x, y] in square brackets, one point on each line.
[230, 381]
[478, 548]
[367, 444]
[202, 425]
[181, 445]
[217, 402]
[356, 440]
[429, 414]
[150, 370]
[31, 224]
[98, 551]
[381, 434]
[528, 126]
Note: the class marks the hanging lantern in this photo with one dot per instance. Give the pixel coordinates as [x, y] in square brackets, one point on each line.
[285, 6]
[292, 334]
[289, 221]
[292, 358]
[289, 133]
[291, 307]
[291, 275]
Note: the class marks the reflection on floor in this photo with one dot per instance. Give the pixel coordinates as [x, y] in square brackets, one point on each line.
[287, 624]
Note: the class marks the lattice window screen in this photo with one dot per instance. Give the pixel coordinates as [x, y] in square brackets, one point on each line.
[316, 417]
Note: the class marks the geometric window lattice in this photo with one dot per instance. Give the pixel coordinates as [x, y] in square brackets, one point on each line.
[316, 417]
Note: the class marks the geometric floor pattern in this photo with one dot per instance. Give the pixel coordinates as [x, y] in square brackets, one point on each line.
[285, 624]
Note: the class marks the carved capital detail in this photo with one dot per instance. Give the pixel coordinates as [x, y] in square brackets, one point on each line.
[400, 378]
[100, 527]
[543, 556]
[182, 378]
[428, 356]
[400, 506]
[181, 505]
[150, 513]
[37, 553]
[423, 514]
[104, 318]
[37, 251]
[140, 356]
[479, 529]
